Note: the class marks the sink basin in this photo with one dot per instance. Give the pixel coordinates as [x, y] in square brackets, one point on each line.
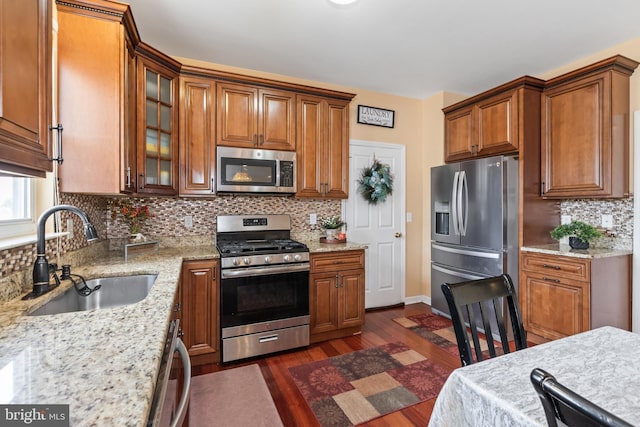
[113, 292]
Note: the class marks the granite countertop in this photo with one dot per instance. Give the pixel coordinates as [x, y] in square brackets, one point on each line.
[565, 250]
[315, 246]
[103, 363]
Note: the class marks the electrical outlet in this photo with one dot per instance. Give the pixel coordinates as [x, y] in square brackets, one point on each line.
[313, 219]
[607, 221]
[409, 217]
[565, 219]
[188, 221]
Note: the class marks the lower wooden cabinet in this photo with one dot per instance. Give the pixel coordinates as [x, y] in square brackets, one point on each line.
[199, 310]
[564, 295]
[336, 294]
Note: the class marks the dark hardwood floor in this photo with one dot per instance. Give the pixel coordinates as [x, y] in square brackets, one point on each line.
[379, 329]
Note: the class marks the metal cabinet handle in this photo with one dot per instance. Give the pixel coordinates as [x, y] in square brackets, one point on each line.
[261, 139]
[58, 128]
[548, 279]
[128, 176]
[555, 267]
[141, 181]
[213, 185]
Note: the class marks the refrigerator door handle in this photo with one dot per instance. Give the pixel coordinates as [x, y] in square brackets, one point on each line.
[478, 254]
[462, 209]
[454, 204]
[456, 273]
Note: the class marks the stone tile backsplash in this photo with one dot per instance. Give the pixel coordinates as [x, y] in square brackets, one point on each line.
[168, 225]
[591, 211]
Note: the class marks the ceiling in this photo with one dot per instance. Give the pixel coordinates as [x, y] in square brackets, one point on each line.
[411, 48]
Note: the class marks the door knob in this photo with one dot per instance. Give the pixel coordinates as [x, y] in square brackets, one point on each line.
[398, 235]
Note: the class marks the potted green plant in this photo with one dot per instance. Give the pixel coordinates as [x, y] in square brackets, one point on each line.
[331, 225]
[580, 234]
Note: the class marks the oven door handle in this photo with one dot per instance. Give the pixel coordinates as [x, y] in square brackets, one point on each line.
[265, 271]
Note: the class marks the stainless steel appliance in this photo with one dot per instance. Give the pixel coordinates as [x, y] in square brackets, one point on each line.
[165, 411]
[264, 286]
[474, 223]
[248, 170]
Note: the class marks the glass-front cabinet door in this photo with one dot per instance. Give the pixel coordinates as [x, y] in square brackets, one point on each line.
[157, 129]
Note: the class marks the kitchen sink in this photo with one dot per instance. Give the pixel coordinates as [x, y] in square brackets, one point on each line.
[112, 292]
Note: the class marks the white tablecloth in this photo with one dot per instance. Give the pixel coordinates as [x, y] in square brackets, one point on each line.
[603, 365]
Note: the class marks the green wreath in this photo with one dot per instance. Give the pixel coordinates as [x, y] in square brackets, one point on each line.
[376, 182]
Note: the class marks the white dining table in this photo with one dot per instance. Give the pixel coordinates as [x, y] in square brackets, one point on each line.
[603, 365]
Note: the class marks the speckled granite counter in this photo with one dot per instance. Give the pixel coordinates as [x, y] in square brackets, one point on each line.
[103, 363]
[565, 250]
[316, 246]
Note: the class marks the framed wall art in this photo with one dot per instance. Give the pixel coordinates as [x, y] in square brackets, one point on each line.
[375, 116]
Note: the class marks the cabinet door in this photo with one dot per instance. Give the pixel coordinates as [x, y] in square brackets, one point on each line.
[197, 147]
[237, 118]
[92, 107]
[554, 308]
[309, 146]
[351, 298]
[158, 129]
[200, 311]
[323, 303]
[323, 147]
[575, 146]
[336, 157]
[497, 124]
[25, 86]
[458, 135]
[277, 124]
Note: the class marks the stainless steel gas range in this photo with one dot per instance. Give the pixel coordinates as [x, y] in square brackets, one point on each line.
[264, 286]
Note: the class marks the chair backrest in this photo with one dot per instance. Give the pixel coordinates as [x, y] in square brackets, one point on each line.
[563, 404]
[482, 301]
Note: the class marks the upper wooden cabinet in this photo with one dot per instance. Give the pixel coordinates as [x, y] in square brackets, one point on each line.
[25, 86]
[250, 116]
[157, 122]
[493, 122]
[197, 133]
[323, 147]
[97, 98]
[585, 131]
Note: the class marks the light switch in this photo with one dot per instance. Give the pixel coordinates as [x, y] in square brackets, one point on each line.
[188, 221]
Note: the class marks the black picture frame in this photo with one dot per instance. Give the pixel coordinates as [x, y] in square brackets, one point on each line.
[375, 116]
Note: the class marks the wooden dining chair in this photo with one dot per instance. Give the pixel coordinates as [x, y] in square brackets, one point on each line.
[563, 404]
[482, 300]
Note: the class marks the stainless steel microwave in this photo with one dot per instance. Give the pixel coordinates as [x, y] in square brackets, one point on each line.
[248, 170]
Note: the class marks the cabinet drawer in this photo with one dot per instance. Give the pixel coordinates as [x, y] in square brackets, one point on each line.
[334, 261]
[558, 266]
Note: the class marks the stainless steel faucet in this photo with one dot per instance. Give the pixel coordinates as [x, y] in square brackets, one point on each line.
[41, 268]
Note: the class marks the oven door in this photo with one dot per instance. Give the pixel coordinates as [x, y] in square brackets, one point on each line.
[254, 296]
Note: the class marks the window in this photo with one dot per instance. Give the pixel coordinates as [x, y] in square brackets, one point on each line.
[16, 206]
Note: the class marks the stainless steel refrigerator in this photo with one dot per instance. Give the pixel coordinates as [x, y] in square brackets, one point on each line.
[474, 223]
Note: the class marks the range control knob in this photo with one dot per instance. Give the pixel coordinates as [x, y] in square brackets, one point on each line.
[235, 261]
[247, 261]
[297, 257]
[267, 259]
[287, 258]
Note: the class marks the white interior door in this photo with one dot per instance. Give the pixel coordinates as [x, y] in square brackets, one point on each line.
[379, 226]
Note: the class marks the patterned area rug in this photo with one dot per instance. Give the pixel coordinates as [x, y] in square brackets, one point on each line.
[353, 388]
[437, 329]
